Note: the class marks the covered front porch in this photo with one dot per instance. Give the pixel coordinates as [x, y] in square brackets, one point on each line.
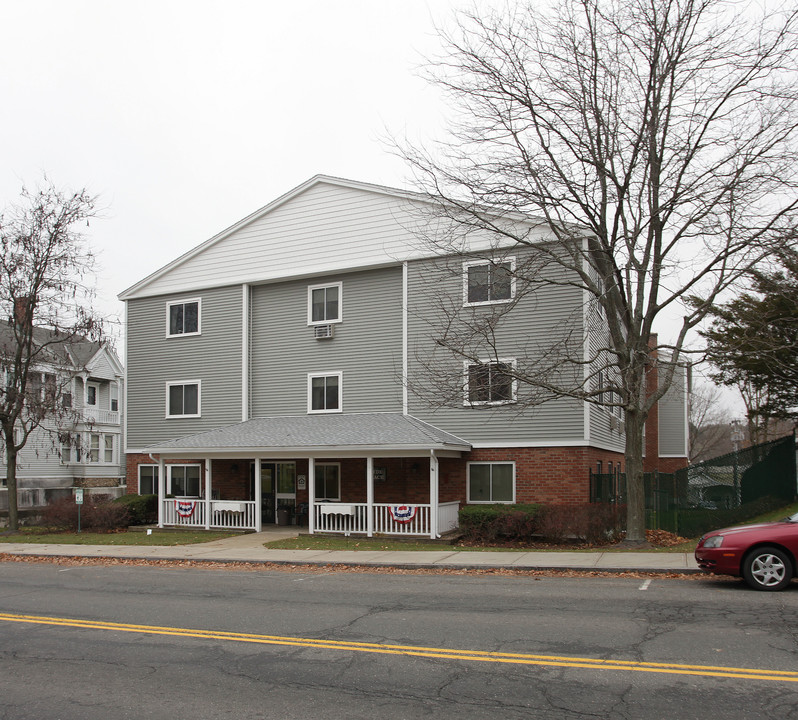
[366, 474]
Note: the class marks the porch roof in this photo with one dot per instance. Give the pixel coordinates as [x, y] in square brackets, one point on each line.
[344, 435]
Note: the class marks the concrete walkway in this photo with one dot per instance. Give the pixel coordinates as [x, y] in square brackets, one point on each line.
[249, 548]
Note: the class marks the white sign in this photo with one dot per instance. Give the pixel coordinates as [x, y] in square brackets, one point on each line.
[79, 496]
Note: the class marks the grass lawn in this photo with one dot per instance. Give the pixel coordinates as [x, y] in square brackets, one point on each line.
[158, 537]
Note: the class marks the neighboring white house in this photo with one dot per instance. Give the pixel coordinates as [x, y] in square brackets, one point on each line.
[273, 367]
[85, 448]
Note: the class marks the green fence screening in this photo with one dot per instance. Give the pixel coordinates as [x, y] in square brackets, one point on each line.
[713, 493]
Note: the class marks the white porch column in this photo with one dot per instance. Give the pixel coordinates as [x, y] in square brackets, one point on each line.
[161, 489]
[258, 497]
[370, 496]
[311, 496]
[208, 494]
[433, 495]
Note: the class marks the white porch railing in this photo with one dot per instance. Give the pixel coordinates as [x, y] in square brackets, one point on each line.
[190, 512]
[389, 518]
[448, 516]
[103, 417]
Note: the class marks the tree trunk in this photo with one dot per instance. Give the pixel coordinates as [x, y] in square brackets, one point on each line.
[11, 482]
[635, 489]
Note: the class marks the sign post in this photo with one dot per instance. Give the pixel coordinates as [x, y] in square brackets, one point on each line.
[79, 502]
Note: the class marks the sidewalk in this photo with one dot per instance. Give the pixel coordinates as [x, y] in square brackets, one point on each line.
[249, 549]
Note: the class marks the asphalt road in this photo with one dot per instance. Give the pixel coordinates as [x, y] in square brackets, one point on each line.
[350, 645]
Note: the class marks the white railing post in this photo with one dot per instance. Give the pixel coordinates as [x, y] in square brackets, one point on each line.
[258, 497]
[161, 490]
[369, 496]
[433, 495]
[208, 494]
[311, 496]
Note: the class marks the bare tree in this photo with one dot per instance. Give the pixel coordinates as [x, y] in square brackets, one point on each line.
[45, 268]
[654, 139]
[709, 423]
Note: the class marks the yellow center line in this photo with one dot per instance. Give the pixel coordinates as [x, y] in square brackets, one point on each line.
[416, 651]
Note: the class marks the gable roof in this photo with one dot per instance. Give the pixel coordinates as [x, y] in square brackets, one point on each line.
[261, 233]
[381, 434]
[78, 353]
[323, 226]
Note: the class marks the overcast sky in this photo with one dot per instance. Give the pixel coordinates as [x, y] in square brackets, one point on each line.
[185, 117]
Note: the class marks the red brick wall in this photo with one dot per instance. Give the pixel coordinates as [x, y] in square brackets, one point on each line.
[557, 475]
[547, 475]
[671, 465]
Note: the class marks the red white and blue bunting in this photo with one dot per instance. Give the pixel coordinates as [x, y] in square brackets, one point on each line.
[185, 508]
[403, 513]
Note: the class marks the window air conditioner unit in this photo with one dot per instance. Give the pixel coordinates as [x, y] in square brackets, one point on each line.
[322, 332]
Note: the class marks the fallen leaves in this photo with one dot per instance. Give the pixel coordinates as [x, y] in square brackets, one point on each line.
[75, 561]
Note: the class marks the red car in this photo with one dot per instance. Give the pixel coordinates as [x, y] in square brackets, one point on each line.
[764, 554]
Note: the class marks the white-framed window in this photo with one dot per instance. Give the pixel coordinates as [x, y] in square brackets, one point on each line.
[183, 480]
[490, 383]
[68, 452]
[325, 392]
[183, 317]
[183, 399]
[486, 282]
[325, 304]
[92, 394]
[94, 447]
[491, 482]
[108, 448]
[328, 481]
[148, 479]
[114, 390]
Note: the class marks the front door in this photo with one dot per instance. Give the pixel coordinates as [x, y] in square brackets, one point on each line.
[268, 490]
[278, 488]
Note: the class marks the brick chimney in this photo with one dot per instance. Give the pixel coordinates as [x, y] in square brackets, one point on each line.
[23, 312]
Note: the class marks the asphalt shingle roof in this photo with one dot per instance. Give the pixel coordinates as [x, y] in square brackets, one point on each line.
[377, 431]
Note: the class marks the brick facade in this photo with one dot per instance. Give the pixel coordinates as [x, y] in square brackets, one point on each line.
[547, 475]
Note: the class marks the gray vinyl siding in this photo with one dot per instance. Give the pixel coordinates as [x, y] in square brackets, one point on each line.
[366, 347]
[673, 417]
[40, 459]
[102, 369]
[539, 319]
[213, 358]
[606, 429]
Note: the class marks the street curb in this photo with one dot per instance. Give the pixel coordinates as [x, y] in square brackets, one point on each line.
[373, 565]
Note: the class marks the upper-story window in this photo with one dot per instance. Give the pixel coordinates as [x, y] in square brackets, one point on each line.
[183, 399]
[114, 397]
[92, 394]
[490, 383]
[324, 304]
[183, 318]
[324, 392]
[488, 282]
